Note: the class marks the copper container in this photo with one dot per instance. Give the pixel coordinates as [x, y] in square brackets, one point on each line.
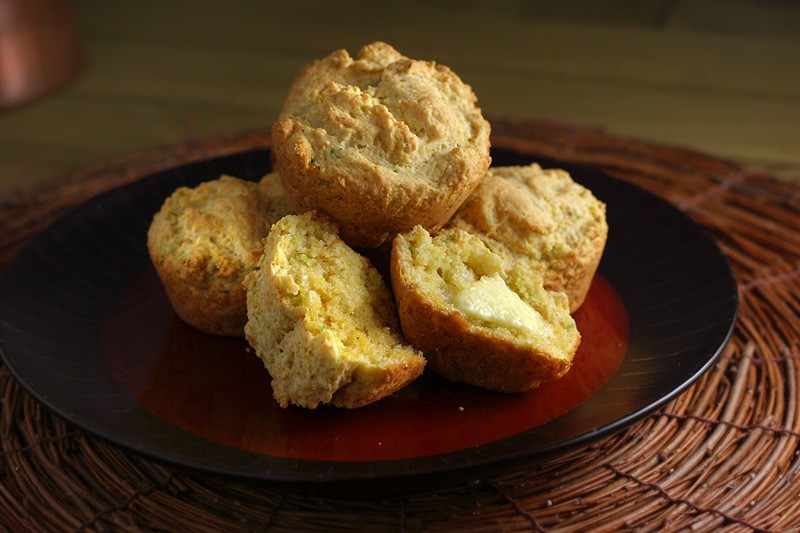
[39, 49]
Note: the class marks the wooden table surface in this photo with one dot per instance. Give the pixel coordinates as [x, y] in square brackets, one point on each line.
[721, 77]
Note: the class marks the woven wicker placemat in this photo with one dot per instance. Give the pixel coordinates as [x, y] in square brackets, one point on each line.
[723, 455]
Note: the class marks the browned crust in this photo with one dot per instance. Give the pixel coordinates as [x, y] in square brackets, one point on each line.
[461, 352]
[360, 158]
[364, 389]
[370, 207]
[577, 280]
[274, 315]
[499, 201]
[219, 312]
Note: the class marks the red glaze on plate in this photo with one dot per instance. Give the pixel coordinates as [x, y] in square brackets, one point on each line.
[217, 388]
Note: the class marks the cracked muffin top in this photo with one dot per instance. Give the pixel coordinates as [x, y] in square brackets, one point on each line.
[380, 143]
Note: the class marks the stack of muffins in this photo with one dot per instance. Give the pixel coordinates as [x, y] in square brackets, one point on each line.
[383, 151]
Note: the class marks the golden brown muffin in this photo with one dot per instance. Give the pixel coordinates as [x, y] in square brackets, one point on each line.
[274, 198]
[204, 240]
[542, 218]
[475, 321]
[323, 321]
[380, 143]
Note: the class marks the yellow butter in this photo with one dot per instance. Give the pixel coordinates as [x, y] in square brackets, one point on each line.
[489, 299]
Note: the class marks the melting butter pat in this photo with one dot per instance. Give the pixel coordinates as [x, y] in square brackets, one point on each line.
[489, 299]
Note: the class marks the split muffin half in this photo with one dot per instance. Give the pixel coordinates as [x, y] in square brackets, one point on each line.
[475, 321]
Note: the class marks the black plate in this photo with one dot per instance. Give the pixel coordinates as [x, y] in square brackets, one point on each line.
[55, 299]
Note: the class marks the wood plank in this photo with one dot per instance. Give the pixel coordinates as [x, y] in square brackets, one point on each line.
[734, 127]
[680, 72]
[635, 54]
[228, 80]
[768, 19]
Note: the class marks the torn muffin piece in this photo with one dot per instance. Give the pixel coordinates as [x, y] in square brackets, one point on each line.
[323, 321]
[475, 321]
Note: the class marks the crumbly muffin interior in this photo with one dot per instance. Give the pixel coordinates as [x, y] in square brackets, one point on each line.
[320, 316]
[457, 272]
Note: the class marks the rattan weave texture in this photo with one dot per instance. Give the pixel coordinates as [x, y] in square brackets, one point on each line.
[722, 456]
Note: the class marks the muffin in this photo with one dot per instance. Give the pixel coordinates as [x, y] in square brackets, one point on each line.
[273, 197]
[204, 240]
[323, 321]
[541, 218]
[380, 142]
[475, 321]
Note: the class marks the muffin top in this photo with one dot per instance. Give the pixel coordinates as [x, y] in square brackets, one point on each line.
[212, 233]
[380, 142]
[323, 320]
[541, 217]
[532, 211]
